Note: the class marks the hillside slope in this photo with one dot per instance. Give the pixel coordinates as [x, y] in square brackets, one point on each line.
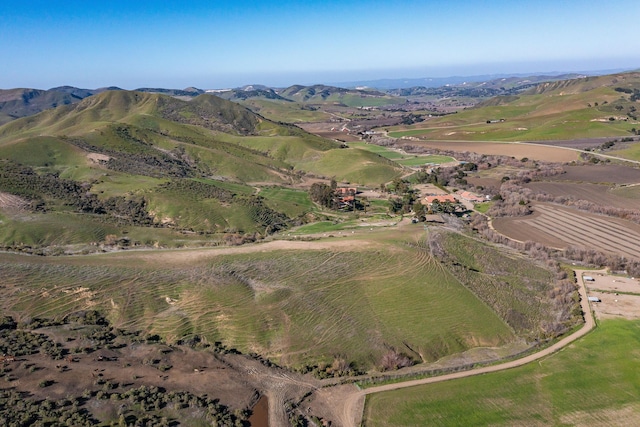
[138, 159]
[589, 107]
[16, 103]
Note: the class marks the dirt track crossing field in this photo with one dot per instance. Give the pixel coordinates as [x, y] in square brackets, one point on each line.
[555, 224]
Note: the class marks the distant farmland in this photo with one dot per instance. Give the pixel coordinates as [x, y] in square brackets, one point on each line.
[602, 173]
[559, 226]
[531, 151]
[594, 193]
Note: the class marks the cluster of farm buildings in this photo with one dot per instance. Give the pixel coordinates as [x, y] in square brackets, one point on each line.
[347, 195]
[453, 198]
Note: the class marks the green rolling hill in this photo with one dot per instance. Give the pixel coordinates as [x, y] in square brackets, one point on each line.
[142, 159]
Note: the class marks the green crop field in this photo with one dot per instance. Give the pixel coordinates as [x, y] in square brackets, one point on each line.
[400, 158]
[594, 381]
[296, 306]
[632, 152]
[424, 160]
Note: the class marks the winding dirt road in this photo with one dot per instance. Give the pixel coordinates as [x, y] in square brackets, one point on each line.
[354, 404]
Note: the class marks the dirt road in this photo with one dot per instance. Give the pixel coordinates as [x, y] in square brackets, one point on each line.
[354, 404]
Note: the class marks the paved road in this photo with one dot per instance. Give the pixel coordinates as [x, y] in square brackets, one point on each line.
[354, 404]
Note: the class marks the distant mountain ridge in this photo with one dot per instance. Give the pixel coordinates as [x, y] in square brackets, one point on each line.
[22, 102]
[430, 82]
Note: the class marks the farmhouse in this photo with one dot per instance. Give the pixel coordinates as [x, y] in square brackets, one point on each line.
[346, 196]
[471, 197]
[442, 198]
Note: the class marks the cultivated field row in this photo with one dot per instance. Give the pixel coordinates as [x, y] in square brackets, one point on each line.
[594, 193]
[575, 228]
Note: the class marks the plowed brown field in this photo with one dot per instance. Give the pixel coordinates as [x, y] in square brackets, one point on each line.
[532, 151]
[600, 173]
[11, 202]
[594, 193]
[558, 226]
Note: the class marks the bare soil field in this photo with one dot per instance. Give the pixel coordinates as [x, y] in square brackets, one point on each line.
[610, 283]
[425, 189]
[194, 371]
[579, 144]
[619, 296]
[181, 256]
[12, 203]
[560, 227]
[614, 174]
[549, 154]
[594, 193]
[330, 130]
[236, 380]
[484, 182]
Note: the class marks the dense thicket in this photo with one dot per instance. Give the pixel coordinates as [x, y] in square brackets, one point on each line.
[41, 189]
[135, 155]
[324, 195]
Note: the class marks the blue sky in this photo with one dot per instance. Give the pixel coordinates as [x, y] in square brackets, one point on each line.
[216, 44]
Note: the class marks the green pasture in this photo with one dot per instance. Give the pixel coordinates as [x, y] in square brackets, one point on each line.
[294, 202]
[629, 191]
[483, 207]
[424, 160]
[186, 210]
[528, 117]
[402, 159]
[353, 165]
[233, 187]
[67, 228]
[58, 228]
[43, 152]
[594, 381]
[385, 152]
[286, 112]
[632, 152]
[112, 184]
[488, 272]
[296, 307]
